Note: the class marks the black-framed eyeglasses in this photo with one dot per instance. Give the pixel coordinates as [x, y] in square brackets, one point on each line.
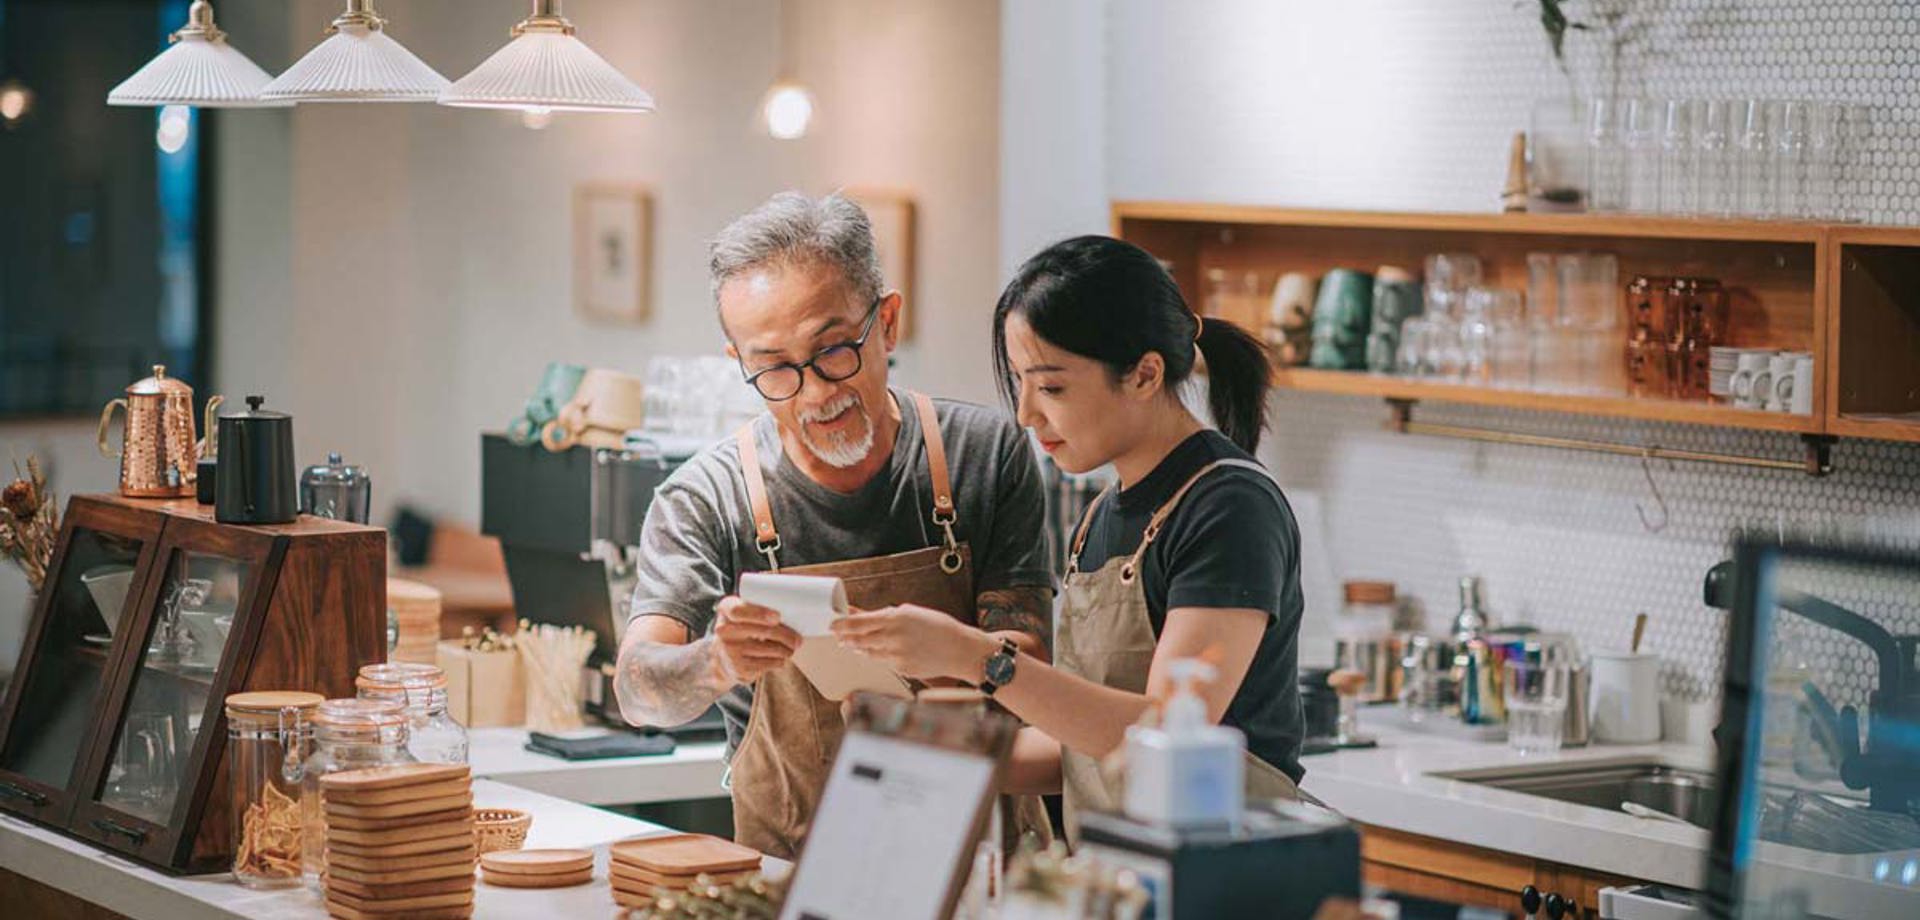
[833, 364]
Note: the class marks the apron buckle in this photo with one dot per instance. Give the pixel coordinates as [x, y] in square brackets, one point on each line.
[950, 561]
[769, 547]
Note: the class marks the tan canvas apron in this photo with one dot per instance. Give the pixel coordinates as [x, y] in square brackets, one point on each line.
[1103, 632]
[793, 732]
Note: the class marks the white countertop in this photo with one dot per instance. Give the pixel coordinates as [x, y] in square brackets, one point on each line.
[1393, 786]
[126, 887]
[692, 771]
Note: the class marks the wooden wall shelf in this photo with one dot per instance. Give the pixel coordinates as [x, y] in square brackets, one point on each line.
[1847, 293]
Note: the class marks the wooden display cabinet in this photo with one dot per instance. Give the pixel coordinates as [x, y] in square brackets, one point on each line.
[1474, 876]
[114, 727]
[1874, 378]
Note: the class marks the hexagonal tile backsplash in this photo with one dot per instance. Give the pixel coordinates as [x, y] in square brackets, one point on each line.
[1578, 542]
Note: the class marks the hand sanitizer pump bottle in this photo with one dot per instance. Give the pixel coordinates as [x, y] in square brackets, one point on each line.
[1189, 772]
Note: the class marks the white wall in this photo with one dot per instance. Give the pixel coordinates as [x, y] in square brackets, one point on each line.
[1053, 175]
[431, 267]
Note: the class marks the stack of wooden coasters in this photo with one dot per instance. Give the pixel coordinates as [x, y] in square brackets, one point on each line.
[399, 842]
[639, 868]
[537, 868]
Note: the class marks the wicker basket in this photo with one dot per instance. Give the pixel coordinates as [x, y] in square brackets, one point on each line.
[500, 829]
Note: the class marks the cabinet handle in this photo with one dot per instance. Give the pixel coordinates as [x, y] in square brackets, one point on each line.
[15, 792]
[133, 834]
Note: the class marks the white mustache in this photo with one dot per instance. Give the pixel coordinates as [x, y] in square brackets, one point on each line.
[831, 409]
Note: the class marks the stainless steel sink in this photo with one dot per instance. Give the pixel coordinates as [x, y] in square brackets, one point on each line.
[1685, 794]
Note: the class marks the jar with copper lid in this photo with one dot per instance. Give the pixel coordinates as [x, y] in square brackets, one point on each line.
[347, 735]
[269, 734]
[1364, 638]
[421, 689]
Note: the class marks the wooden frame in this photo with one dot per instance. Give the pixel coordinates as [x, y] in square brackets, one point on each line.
[167, 843]
[894, 218]
[615, 221]
[1795, 277]
[19, 794]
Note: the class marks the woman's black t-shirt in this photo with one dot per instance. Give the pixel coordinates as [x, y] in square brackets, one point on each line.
[1231, 542]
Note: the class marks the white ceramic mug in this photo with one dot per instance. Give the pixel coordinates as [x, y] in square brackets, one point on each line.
[1751, 382]
[1779, 394]
[1802, 403]
[1624, 704]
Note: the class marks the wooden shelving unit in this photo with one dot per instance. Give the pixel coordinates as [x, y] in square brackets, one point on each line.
[1848, 294]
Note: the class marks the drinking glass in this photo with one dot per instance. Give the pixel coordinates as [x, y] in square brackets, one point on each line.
[1556, 156]
[1606, 157]
[1713, 133]
[1677, 157]
[1448, 276]
[1753, 161]
[1856, 132]
[1590, 298]
[1535, 694]
[1493, 338]
[1410, 358]
[1787, 127]
[1821, 176]
[661, 398]
[1642, 136]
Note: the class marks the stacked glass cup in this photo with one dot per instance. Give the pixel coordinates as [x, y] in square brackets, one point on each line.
[1784, 159]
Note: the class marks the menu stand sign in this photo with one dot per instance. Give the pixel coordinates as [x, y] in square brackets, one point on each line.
[909, 797]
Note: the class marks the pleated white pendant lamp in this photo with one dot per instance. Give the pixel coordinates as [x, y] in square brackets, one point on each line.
[358, 62]
[544, 68]
[199, 69]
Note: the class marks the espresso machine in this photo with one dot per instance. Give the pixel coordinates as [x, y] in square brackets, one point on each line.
[569, 527]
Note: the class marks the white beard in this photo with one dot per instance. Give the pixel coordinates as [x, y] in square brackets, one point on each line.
[844, 450]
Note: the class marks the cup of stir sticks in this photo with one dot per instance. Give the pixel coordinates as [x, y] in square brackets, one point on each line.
[553, 657]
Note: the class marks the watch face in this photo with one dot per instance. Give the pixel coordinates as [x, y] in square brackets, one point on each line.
[1000, 669]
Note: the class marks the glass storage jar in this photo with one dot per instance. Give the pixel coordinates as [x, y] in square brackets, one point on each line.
[347, 735]
[421, 689]
[268, 739]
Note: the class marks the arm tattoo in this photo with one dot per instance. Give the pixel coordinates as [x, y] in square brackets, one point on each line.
[1027, 610]
[666, 685]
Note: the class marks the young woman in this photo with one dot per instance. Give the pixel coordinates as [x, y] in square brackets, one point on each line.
[1195, 554]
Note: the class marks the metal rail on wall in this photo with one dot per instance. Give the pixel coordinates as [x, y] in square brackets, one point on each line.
[1817, 460]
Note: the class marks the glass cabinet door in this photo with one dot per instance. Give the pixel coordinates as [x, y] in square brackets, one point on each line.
[85, 610]
[163, 721]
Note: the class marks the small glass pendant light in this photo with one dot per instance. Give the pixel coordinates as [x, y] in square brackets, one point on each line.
[787, 109]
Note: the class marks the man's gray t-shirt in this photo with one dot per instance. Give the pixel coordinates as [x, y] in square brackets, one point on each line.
[698, 536]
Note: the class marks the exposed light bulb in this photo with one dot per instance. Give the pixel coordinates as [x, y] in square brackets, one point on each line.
[175, 124]
[16, 100]
[536, 117]
[788, 110]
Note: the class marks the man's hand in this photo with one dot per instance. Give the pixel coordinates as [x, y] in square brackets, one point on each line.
[751, 640]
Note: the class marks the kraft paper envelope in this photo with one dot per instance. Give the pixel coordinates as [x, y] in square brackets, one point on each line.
[808, 604]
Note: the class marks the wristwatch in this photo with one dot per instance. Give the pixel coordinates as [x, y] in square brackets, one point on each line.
[999, 667]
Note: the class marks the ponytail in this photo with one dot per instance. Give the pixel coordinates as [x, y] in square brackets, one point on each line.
[1111, 301]
[1239, 375]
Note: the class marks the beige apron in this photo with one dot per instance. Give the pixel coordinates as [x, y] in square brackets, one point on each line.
[1104, 633]
[793, 732]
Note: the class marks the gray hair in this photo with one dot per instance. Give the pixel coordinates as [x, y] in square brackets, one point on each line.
[792, 228]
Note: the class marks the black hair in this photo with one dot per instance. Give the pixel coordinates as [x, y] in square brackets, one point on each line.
[1112, 301]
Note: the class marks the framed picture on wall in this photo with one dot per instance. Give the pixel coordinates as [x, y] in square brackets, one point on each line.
[612, 252]
[892, 214]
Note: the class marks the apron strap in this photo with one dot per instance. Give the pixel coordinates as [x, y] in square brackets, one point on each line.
[764, 536]
[1132, 569]
[944, 512]
[1080, 533]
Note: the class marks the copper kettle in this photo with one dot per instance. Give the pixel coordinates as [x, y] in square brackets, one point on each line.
[159, 451]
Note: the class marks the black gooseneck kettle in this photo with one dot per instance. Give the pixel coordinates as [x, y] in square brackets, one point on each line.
[256, 481]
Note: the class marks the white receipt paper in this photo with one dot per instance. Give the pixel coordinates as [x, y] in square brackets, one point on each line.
[808, 605]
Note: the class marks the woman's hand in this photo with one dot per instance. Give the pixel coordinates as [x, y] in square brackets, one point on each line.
[917, 642]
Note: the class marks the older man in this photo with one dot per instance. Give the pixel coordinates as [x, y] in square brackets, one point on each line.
[908, 499]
